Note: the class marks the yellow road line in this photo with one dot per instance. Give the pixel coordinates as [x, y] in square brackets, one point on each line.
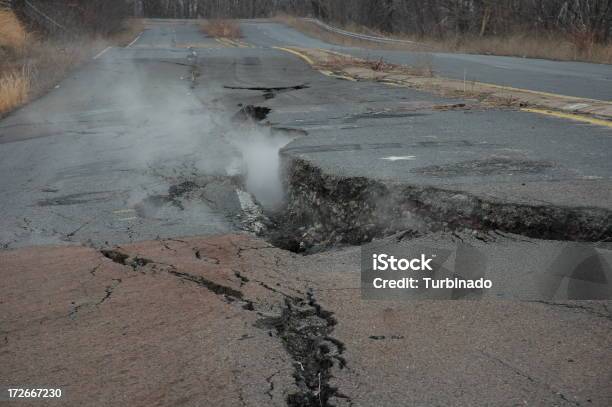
[299, 54]
[570, 116]
[234, 43]
[311, 62]
[537, 92]
[243, 44]
[228, 42]
[223, 41]
[547, 112]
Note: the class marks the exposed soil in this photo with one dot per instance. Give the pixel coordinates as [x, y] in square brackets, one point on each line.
[257, 113]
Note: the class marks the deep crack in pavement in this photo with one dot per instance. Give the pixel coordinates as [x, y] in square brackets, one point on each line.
[303, 326]
[305, 329]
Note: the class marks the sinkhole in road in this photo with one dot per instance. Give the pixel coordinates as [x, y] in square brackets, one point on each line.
[224, 165]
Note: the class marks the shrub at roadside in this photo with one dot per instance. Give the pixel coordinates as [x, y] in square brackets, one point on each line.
[221, 28]
[14, 89]
[14, 77]
[12, 33]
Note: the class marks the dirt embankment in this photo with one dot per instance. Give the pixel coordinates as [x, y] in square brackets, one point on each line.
[221, 28]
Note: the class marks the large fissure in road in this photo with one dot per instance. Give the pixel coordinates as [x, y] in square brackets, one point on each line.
[324, 210]
[305, 329]
[269, 92]
[313, 210]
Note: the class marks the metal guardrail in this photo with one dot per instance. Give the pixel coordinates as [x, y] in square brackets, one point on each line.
[363, 36]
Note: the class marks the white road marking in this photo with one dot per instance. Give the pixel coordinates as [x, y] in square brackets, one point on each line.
[102, 52]
[399, 158]
[124, 210]
[135, 39]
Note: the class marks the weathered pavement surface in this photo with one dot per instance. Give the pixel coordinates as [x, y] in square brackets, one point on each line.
[233, 321]
[138, 150]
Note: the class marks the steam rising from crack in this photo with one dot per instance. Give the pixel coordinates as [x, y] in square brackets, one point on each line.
[259, 162]
[181, 133]
[118, 136]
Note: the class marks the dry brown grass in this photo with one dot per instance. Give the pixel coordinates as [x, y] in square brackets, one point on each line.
[51, 61]
[29, 71]
[337, 62]
[221, 28]
[14, 89]
[15, 77]
[29, 66]
[570, 48]
[12, 33]
[576, 47]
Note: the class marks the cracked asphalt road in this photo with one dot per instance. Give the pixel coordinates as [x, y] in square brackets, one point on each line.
[106, 296]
